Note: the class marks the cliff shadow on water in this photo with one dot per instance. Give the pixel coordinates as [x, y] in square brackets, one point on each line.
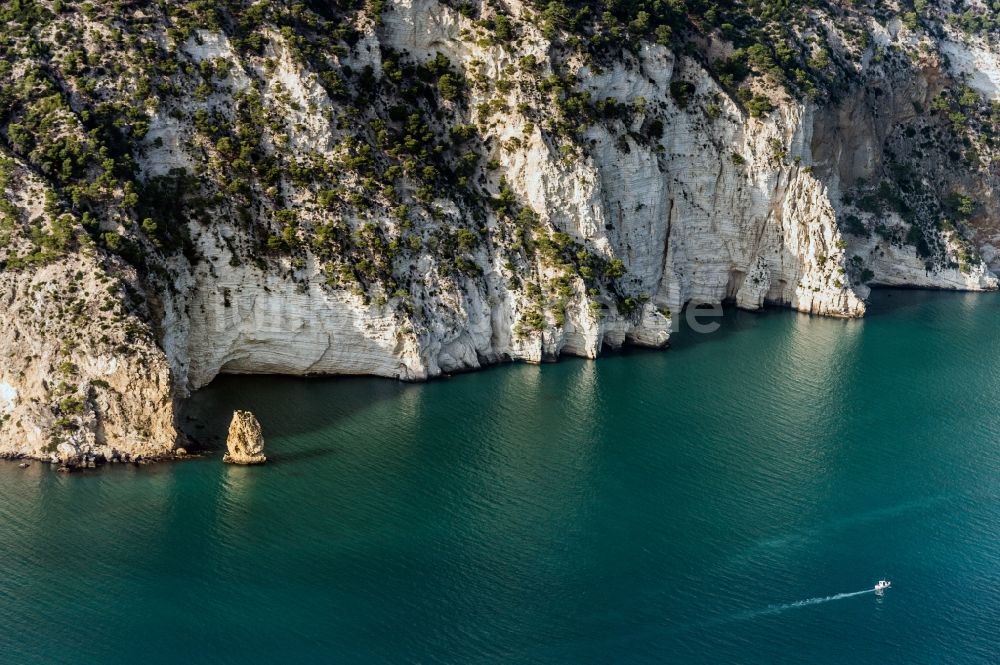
[707, 325]
[292, 407]
[891, 300]
[289, 407]
[308, 417]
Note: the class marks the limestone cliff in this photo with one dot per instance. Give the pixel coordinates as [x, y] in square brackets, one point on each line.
[81, 375]
[417, 187]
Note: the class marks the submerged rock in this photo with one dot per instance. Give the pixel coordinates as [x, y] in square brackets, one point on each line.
[245, 441]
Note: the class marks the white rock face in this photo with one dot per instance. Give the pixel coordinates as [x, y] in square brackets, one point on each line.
[246, 321]
[978, 64]
[8, 398]
[687, 221]
[896, 265]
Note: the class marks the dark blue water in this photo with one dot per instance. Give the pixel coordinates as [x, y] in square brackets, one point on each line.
[722, 501]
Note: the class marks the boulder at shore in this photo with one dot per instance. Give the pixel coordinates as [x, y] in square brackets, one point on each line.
[245, 441]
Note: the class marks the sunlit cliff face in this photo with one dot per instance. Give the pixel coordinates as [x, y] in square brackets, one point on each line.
[434, 189]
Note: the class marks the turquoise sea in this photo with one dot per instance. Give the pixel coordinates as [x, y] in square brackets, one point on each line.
[719, 502]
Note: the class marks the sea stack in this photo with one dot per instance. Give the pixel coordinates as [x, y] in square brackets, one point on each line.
[245, 440]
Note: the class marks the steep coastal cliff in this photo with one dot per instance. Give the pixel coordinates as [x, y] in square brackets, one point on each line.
[417, 187]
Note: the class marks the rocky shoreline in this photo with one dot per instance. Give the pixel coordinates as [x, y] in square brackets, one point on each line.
[98, 460]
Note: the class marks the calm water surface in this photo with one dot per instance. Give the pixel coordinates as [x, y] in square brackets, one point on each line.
[713, 503]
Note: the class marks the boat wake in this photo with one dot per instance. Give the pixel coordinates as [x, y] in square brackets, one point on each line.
[777, 609]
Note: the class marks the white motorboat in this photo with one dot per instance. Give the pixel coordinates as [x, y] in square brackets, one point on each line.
[882, 585]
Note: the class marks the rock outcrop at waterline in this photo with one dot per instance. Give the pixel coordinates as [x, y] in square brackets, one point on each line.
[314, 188]
[245, 443]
